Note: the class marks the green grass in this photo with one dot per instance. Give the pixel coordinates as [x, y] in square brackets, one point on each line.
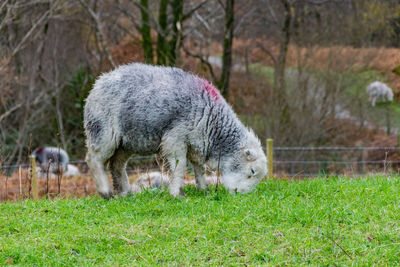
[335, 221]
[356, 81]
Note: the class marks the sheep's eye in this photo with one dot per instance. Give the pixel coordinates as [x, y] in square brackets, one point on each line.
[253, 171]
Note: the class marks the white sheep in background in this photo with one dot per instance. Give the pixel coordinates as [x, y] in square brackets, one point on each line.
[378, 91]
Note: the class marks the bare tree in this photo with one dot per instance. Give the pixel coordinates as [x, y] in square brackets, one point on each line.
[228, 34]
[145, 29]
[99, 28]
[38, 53]
[223, 83]
[162, 45]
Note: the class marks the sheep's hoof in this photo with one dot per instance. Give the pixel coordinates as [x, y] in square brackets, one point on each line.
[122, 194]
[178, 193]
[181, 192]
[203, 188]
[106, 195]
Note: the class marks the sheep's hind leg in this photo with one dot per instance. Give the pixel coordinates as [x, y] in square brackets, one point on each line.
[96, 162]
[199, 174]
[178, 169]
[175, 151]
[118, 172]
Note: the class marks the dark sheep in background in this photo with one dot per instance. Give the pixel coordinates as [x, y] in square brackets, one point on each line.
[53, 159]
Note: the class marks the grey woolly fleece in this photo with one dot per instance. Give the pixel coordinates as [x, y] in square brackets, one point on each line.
[136, 105]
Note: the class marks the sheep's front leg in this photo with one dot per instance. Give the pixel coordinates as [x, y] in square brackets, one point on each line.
[175, 151]
[95, 161]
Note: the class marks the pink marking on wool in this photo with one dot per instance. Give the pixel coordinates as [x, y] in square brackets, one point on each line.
[211, 89]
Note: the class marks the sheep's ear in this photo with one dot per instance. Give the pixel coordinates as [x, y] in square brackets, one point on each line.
[249, 155]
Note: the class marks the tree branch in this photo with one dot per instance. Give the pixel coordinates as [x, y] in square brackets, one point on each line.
[319, 2]
[19, 46]
[190, 13]
[267, 51]
[8, 112]
[203, 61]
[271, 10]
[95, 18]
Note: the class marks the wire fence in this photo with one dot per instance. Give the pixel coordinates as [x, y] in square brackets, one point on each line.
[136, 163]
[316, 161]
[16, 182]
[290, 162]
[310, 161]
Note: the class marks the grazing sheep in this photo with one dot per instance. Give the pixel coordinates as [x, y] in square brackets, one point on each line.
[143, 109]
[378, 91]
[53, 159]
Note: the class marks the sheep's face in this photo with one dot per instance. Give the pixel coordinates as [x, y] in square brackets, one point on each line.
[243, 171]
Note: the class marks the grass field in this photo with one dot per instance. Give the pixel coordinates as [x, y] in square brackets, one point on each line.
[327, 221]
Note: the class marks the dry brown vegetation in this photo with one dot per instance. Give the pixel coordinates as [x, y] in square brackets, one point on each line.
[12, 188]
[338, 58]
[18, 186]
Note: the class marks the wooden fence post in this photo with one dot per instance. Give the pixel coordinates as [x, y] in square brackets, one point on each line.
[20, 181]
[398, 143]
[270, 148]
[34, 181]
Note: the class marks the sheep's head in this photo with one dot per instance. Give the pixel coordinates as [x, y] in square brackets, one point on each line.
[246, 168]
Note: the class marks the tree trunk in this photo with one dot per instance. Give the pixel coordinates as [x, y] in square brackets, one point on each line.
[279, 74]
[388, 120]
[174, 43]
[227, 49]
[147, 43]
[162, 47]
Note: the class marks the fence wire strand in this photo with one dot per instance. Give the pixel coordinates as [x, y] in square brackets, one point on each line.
[139, 163]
